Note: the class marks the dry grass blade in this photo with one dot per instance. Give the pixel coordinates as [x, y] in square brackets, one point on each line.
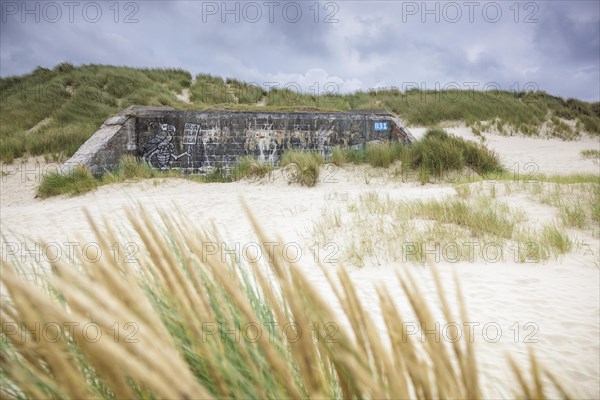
[178, 290]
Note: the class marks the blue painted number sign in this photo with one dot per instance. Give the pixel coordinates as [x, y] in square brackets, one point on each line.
[381, 126]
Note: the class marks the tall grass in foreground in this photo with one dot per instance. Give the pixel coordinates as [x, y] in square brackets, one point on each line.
[167, 302]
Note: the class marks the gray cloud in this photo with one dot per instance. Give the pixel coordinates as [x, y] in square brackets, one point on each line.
[570, 35]
[372, 43]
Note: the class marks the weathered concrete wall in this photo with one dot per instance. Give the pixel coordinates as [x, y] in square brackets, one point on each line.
[200, 141]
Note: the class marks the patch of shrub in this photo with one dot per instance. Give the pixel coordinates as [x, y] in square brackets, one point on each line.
[249, 167]
[302, 167]
[77, 181]
[382, 155]
[439, 153]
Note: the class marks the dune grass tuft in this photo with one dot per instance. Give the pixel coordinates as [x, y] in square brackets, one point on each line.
[435, 155]
[79, 180]
[438, 152]
[479, 217]
[248, 167]
[557, 239]
[133, 168]
[595, 205]
[302, 167]
[379, 155]
[573, 215]
[591, 153]
[469, 228]
[183, 322]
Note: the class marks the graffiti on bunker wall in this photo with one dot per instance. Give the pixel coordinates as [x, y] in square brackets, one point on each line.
[159, 151]
[211, 141]
[190, 139]
[207, 144]
[202, 143]
[261, 141]
[205, 141]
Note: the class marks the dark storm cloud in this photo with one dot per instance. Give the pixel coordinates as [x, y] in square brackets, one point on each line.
[367, 43]
[569, 32]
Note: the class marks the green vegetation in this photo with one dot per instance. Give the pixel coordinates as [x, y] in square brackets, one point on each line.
[437, 154]
[561, 129]
[577, 200]
[341, 156]
[595, 205]
[573, 215]
[210, 90]
[475, 226]
[591, 153]
[221, 328]
[301, 167]
[245, 93]
[564, 179]
[248, 167]
[499, 111]
[531, 178]
[556, 239]
[55, 111]
[479, 218]
[377, 155]
[80, 180]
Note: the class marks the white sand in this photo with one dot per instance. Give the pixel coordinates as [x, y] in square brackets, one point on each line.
[559, 299]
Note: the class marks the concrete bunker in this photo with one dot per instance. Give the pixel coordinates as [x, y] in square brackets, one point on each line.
[202, 141]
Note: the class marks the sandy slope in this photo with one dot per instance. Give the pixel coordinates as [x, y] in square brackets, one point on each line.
[554, 305]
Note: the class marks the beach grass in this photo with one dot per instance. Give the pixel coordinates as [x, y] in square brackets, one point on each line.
[302, 167]
[183, 322]
[248, 168]
[78, 181]
[473, 226]
[591, 153]
[56, 110]
[435, 156]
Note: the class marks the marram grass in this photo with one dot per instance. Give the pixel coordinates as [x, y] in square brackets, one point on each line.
[178, 291]
[56, 111]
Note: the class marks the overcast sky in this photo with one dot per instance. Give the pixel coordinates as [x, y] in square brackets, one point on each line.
[338, 45]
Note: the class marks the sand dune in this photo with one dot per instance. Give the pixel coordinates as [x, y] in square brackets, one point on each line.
[552, 307]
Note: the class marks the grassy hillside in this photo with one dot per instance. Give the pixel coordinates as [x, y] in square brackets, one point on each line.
[55, 111]
[52, 112]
